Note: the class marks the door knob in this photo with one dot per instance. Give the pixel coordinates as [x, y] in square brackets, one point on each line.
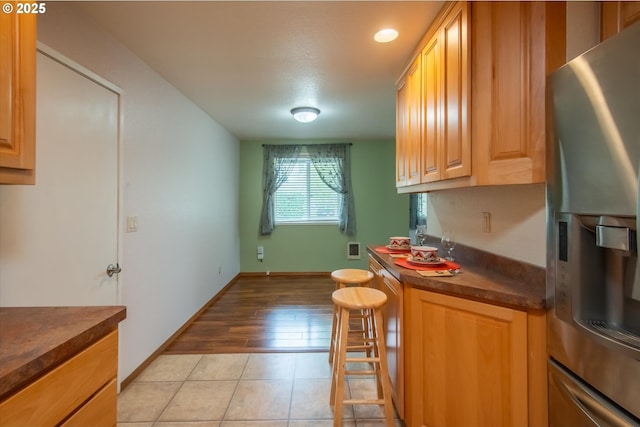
[113, 269]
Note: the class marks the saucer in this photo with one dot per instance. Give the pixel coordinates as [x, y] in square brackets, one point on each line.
[400, 248]
[438, 261]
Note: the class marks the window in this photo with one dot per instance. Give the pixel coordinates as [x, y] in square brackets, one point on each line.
[304, 198]
[308, 186]
[417, 210]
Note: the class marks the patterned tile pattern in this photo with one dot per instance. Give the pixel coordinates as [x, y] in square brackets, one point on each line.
[241, 390]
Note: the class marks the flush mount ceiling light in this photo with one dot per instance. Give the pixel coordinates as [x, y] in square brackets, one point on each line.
[305, 114]
[386, 35]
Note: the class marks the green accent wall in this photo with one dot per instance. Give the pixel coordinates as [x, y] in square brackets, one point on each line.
[380, 213]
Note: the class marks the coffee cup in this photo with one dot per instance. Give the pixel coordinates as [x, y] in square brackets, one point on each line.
[424, 253]
[399, 242]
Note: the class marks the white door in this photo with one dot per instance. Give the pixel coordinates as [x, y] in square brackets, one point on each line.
[58, 237]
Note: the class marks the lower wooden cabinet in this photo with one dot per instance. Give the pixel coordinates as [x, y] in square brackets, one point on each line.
[393, 331]
[454, 361]
[80, 392]
[393, 315]
[471, 363]
[101, 410]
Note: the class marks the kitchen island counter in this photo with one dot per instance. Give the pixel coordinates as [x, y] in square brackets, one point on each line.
[34, 340]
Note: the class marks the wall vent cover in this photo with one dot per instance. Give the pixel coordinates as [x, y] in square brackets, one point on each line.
[353, 250]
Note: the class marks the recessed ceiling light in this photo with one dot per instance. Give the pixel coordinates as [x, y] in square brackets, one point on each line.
[386, 35]
[305, 114]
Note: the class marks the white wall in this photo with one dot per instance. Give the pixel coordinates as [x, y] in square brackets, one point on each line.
[179, 177]
[518, 224]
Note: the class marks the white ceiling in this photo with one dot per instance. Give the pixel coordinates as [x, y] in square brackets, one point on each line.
[247, 63]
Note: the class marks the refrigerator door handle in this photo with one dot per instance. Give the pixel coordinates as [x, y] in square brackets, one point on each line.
[601, 412]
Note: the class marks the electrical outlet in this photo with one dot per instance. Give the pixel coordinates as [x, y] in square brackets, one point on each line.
[486, 222]
[260, 253]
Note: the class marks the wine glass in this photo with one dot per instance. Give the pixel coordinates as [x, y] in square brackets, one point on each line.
[421, 234]
[448, 243]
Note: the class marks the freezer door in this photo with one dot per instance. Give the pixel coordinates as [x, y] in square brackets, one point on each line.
[573, 403]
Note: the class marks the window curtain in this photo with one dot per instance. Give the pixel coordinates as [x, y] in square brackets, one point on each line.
[333, 164]
[278, 162]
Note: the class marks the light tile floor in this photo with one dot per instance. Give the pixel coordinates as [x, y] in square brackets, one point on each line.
[241, 390]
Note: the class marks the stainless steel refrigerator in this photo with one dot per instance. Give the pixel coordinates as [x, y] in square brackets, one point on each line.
[593, 274]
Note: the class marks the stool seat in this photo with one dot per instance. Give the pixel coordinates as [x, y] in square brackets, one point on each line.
[352, 276]
[358, 298]
[348, 277]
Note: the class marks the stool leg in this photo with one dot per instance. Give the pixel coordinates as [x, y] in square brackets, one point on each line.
[366, 330]
[383, 370]
[374, 332]
[332, 342]
[335, 361]
[340, 362]
[333, 334]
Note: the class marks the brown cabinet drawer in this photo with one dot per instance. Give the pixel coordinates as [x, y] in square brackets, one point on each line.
[51, 398]
[100, 411]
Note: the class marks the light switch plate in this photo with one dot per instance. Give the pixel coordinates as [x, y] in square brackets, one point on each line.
[132, 224]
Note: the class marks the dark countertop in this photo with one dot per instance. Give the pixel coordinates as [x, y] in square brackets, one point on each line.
[484, 277]
[33, 340]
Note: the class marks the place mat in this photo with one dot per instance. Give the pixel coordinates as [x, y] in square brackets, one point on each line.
[436, 273]
[386, 250]
[400, 255]
[403, 262]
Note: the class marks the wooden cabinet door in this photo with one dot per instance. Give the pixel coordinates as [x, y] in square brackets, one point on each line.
[408, 127]
[456, 149]
[466, 362]
[414, 134]
[515, 45]
[446, 146]
[393, 334]
[393, 329]
[432, 110]
[17, 98]
[402, 124]
[615, 16]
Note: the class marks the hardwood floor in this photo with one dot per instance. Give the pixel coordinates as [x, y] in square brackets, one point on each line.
[263, 314]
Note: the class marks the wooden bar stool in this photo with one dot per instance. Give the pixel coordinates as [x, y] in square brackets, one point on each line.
[343, 278]
[371, 301]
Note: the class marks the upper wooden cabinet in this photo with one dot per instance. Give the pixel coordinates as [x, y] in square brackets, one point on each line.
[17, 98]
[616, 16]
[516, 45]
[513, 47]
[441, 147]
[445, 59]
[409, 126]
